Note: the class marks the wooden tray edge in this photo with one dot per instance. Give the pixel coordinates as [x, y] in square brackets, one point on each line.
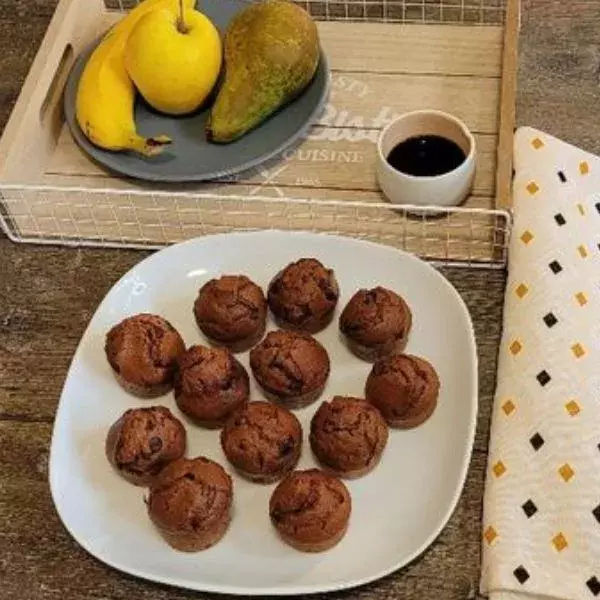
[508, 97]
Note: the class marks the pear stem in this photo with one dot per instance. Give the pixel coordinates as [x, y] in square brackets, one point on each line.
[181, 25]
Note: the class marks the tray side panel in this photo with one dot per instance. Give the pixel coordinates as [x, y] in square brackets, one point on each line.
[331, 158]
[508, 105]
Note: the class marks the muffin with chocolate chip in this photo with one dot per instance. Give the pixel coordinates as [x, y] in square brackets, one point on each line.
[404, 388]
[210, 385]
[303, 296]
[376, 323]
[310, 510]
[231, 311]
[290, 367]
[190, 503]
[142, 351]
[143, 441]
[348, 436]
[262, 441]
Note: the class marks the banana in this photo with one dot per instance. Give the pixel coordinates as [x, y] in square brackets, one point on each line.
[106, 95]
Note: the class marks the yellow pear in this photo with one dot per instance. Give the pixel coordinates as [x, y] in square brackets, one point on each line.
[174, 59]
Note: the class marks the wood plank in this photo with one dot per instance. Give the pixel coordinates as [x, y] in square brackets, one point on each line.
[372, 98]
[393, 48]
[323, 160]
[559, 63]
[411, 48]
[21, 38]
[243, 189]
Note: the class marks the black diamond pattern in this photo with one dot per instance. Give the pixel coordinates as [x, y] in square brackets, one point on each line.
[522, 575]
[550, 320]
[598, 206]
[536, 441]
[594, 585]
[555, 267]
[562, 176]
[560, 220]
[543, 378]
[596, 513]
[529, 508]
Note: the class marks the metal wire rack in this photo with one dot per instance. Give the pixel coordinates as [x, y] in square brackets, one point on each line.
[469, 12]
[138, 219]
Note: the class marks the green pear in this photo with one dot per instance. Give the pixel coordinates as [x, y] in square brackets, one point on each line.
[271, 55]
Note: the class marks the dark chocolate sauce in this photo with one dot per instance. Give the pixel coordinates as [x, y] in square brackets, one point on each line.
[426, 156]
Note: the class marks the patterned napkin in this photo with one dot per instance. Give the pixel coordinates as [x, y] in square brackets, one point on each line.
[541, 529]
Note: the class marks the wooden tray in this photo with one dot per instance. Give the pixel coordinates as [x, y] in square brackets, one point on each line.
[52, 192]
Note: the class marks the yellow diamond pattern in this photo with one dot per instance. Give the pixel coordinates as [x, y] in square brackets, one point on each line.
[579, 345]
[566, 472]
[559, 541]
[533, 188]
[499, 469]
[581, 298]
[573, 408]
[516, 347]
[490, 534]
[521, 290]
[527, 237]
[508, 407]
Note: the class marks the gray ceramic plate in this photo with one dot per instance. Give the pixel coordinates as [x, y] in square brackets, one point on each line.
[191, 157]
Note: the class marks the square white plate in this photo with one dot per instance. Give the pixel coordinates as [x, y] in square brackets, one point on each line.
[398, 509]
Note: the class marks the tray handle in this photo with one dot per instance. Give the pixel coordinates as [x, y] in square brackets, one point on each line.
[32, 131]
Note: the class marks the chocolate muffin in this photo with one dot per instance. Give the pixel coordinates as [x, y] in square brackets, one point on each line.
[232, 312]
[376, 323]
[262, 441]
[142, 351]
[144, 441]
[404, 388]
[348, 436]
[210, 385]
[310, 510]
[303, 296]
[290, 367]
[190, 503]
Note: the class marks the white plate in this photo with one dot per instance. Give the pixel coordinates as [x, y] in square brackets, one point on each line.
[398, 509]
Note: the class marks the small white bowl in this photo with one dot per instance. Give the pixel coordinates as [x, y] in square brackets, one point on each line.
[448, 189]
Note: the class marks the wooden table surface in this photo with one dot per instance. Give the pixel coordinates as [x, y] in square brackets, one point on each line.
[48, 295]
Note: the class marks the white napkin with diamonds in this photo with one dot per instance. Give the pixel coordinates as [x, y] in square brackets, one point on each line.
[541, 527]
